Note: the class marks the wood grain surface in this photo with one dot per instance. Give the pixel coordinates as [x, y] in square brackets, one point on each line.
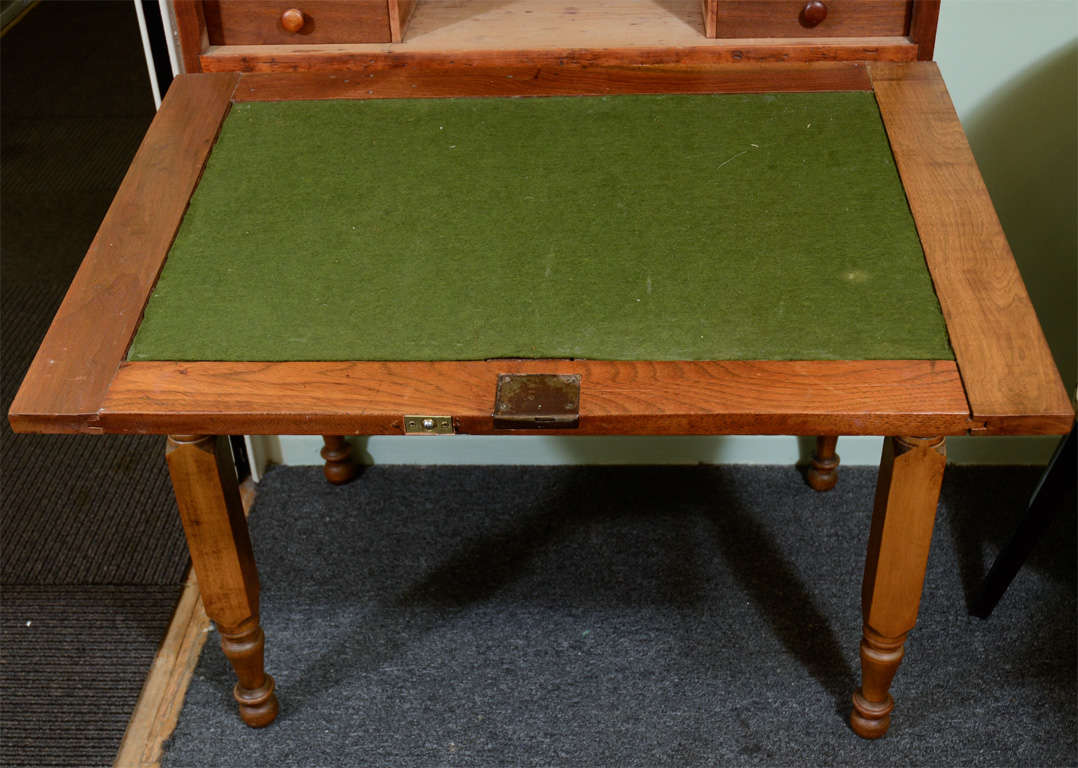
[162, 696]
[211, 509]
[808, 398]
[907, 494]
[784, 18]
[280, 58]
[822, 473]
[923, 27]
[560, 33]
[258, 22]
[408, 82]
[400, 11]
[1007, 368]
[191, 29]
[710, 13]
[163, 693]
[88, 337]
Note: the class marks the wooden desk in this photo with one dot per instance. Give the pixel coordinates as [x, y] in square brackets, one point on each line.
[1002, 380]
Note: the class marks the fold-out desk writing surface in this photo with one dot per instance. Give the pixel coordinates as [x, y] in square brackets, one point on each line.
[621, 227]
[1000, 379]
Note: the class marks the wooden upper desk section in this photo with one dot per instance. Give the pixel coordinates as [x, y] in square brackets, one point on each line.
[561, 32]
[79, 383]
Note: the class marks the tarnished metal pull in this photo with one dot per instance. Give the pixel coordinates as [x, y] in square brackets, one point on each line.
[537, 401]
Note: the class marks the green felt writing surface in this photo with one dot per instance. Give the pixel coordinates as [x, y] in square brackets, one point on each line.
[624, 227]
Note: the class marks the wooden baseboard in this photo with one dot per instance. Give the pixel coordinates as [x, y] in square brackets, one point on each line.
[159, 704]
[162, 696]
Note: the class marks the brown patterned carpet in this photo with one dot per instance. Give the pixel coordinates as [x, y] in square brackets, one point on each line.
[91, 551]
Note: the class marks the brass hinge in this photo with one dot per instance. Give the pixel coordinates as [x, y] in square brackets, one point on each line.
[428, 425]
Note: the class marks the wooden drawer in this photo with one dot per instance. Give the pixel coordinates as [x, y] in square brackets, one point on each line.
[262, 22]
[247, 35]
[804, 18]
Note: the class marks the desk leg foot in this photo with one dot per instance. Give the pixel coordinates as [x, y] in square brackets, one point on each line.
[207, 494]
[339, 468]
[823, 474]
[872, 705]
[907, 492]
[254, 691]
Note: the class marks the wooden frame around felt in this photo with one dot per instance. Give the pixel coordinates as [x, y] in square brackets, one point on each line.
[1002, 381]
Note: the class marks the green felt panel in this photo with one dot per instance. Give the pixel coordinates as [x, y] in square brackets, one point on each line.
[625, 227]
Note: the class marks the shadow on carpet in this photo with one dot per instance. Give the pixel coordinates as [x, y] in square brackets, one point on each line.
[582, 616]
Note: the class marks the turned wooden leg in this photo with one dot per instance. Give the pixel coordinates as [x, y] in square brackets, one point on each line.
[907, 493]
[823, 474]
[208, 496]
[339, 468]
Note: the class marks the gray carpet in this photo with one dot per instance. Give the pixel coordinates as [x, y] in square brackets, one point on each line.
[518, 616]
[91, 551]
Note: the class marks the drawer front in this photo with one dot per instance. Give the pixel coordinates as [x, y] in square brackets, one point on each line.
[812, 18]
[257, 22]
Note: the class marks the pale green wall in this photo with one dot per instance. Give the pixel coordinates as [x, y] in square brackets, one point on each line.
[1010, 66]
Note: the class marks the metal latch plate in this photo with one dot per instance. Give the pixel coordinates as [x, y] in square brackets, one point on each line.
[428, 425]
[537, 401]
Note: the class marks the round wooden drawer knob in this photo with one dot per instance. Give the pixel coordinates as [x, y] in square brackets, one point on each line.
[292, 20]
[813, 13]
